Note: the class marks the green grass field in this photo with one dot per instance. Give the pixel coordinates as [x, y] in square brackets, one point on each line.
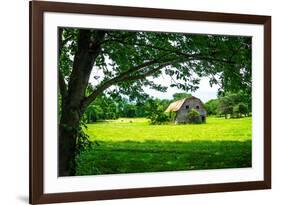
[134, 146]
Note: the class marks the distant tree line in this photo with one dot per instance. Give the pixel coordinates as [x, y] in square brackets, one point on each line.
[108, 107]
[234, 105]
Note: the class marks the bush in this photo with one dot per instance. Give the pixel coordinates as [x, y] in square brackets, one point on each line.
[158, 118]
[193, 117]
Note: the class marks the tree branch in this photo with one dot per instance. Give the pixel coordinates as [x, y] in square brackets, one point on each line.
[62, 84]
[197, 56]
[148, 73]
[88, 49]
[125, 76]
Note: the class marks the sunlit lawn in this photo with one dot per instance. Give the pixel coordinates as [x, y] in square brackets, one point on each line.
[132, 145]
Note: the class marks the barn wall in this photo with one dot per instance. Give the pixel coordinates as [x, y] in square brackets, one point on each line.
[182, 112]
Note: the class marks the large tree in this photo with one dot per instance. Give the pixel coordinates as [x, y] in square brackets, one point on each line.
[126, 61]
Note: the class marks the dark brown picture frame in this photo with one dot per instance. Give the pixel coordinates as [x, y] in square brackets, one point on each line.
[37, 9]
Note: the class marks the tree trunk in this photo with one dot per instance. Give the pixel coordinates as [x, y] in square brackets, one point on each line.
[72, 109]
[67, 141]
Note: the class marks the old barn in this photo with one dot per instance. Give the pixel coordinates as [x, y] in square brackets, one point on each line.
[183, 106]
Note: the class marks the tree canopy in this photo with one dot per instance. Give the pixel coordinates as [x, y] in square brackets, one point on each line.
[179, 96]
[234, 104]
[212, 106]
[126, 59]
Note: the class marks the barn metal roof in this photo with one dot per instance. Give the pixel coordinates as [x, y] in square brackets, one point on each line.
[175, 106]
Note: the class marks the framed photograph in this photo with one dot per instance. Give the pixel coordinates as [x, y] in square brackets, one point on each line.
[138, 102]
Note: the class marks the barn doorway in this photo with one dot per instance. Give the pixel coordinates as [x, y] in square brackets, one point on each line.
[203, 118]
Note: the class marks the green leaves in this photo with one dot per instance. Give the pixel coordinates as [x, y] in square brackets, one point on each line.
[180, 96]
[234, 104]
[193, 116]
[68, 48]
[212, 107]
[225, 60]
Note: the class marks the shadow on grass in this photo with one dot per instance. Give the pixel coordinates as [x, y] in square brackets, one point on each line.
[157, 156]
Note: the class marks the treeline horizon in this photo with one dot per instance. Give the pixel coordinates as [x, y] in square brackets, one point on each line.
[107, 107]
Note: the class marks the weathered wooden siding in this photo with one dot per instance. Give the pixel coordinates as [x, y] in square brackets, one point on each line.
[192, 103]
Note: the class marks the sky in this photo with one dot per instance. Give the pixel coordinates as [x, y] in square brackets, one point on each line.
[205, 92]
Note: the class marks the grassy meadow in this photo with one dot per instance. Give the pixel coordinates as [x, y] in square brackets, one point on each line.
[131, 145]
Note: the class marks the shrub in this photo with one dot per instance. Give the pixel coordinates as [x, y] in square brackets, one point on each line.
[158, 118]
[193, 116]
